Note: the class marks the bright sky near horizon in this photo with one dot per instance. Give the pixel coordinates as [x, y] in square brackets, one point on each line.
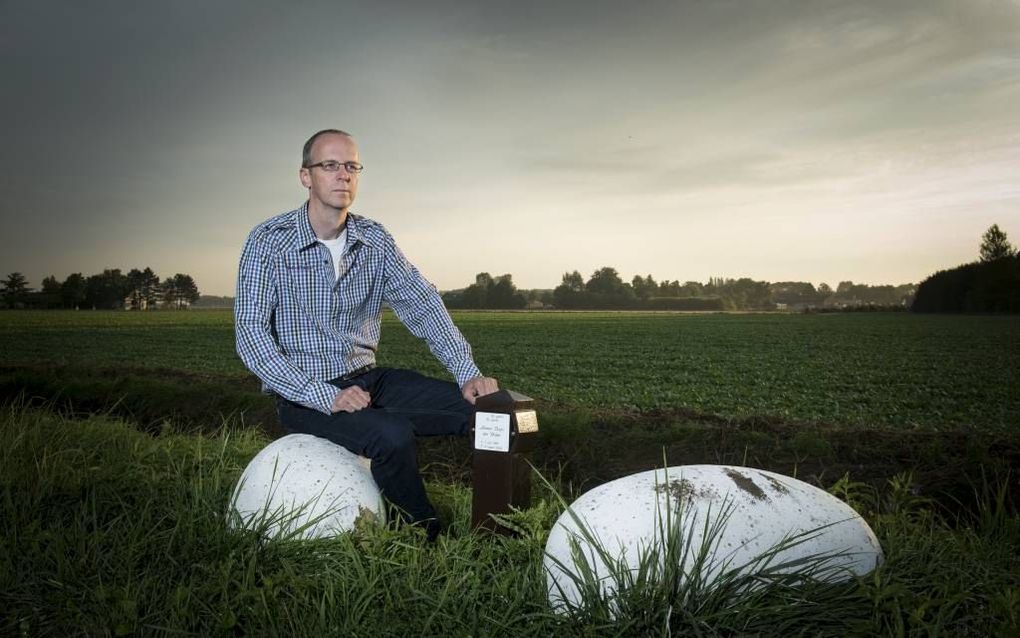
[807, 140]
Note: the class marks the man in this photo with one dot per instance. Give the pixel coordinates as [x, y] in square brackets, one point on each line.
[310, 291]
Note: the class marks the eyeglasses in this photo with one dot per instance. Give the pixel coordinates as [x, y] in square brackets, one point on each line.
[332, 166]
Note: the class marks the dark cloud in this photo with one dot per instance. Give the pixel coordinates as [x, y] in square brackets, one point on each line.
[126, 118]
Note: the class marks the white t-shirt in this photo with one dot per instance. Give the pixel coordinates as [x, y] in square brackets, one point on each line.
[337, 248]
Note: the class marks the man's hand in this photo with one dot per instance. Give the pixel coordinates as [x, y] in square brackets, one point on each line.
[351, 399]
[479, 386]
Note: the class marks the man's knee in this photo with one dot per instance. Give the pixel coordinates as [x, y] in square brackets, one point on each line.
[391, 436]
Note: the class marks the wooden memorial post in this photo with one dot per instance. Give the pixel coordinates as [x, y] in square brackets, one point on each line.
[505, 427]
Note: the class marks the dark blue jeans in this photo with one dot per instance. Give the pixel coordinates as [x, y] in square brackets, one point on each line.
[404, 404]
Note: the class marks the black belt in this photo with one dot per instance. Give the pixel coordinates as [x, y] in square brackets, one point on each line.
[356, 373]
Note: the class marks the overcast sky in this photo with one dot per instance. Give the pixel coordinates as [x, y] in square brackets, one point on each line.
[800, 140]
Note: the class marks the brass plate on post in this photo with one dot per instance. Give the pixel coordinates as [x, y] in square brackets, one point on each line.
[527, 421]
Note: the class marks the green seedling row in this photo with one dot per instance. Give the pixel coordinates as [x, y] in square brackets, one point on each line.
[901, 370]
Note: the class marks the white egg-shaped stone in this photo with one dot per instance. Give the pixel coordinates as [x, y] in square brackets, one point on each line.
[763, 511]
[305, 486]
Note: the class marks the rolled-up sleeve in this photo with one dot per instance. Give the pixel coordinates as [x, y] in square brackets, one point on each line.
[256, 300]
[418, 305]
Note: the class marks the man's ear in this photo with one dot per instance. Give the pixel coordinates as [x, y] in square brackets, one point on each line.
[305, 177]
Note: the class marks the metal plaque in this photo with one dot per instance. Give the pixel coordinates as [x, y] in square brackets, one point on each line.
[492, 431]
[527, 421]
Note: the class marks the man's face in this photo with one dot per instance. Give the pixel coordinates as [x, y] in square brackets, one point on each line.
[333, 190]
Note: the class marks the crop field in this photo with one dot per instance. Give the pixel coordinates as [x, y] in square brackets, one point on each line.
[866, 370]
[122, 435]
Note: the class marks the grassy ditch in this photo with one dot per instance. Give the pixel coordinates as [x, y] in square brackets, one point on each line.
[109, 530]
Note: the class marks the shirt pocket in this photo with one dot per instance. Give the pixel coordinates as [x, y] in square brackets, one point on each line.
[301, 276]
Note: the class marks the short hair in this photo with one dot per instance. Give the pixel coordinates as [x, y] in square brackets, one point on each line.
[306, 152]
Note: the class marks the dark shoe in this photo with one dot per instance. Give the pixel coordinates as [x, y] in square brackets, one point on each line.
[432, 528]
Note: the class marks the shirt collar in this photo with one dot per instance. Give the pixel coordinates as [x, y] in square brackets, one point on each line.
[356, 230]
[306, 236]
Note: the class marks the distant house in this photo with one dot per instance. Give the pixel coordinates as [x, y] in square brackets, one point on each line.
[129, 304]
[799, 306]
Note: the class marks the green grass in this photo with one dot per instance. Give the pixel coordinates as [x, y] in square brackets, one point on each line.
[114, 524]
[110, 531]
[870, 370]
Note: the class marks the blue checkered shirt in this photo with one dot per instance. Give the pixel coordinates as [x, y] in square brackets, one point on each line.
[298, 326]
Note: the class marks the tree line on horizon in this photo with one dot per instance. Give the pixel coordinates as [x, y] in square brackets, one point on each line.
[108, 290]
[606, 290]
[991, 284]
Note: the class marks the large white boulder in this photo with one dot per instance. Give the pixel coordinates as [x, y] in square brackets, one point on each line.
[305, 486]
[761, 512]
